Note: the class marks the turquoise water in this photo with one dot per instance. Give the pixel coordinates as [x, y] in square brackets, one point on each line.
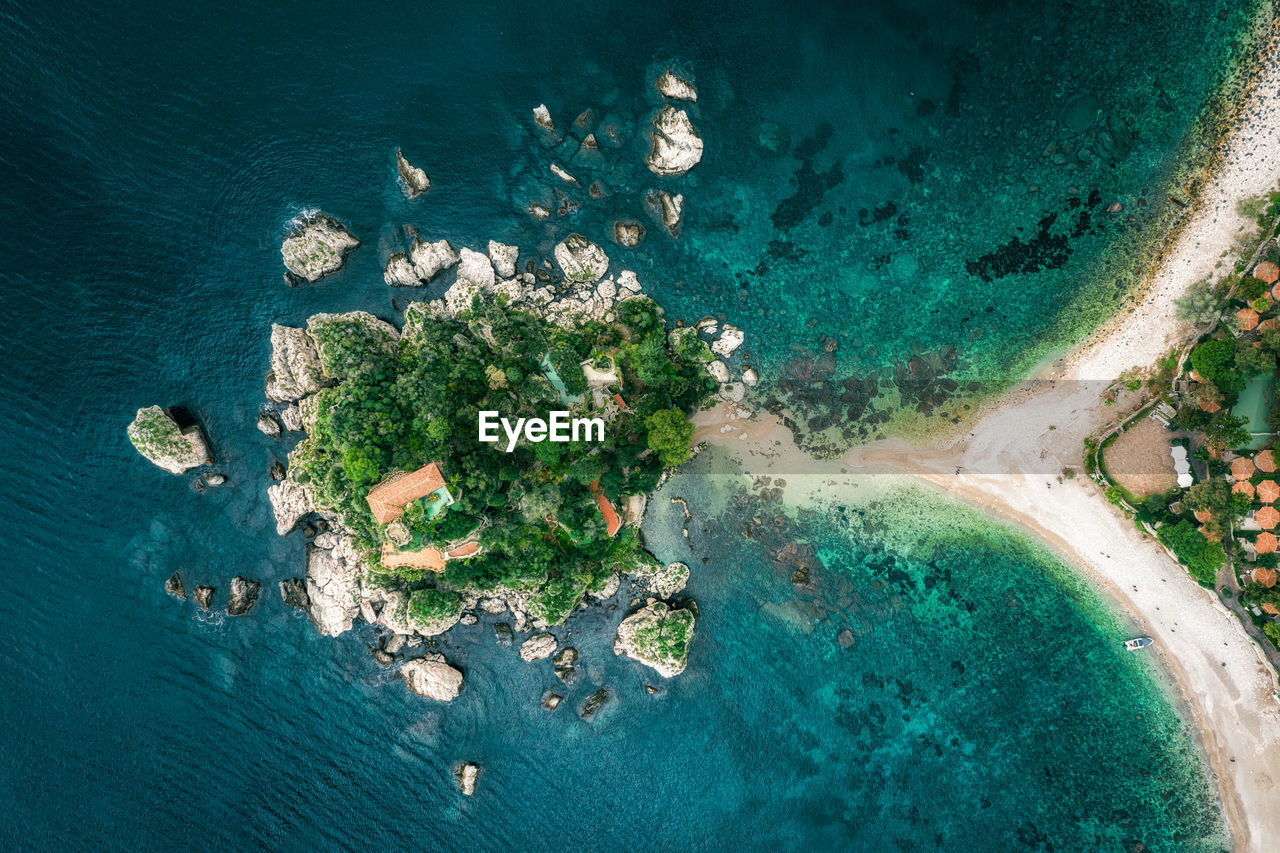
[152, 157]
[1254, 404]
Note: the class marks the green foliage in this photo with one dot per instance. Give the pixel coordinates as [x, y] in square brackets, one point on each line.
[669, 435]
[1215, 361]
[1269, 561]
[1201, 304]
[1201, 557]
[1251, 288]
[1272, 632]
[434, 605]
[1227, 431]
[1252, 361]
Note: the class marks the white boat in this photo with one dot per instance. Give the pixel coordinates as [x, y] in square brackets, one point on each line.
[1137, 643]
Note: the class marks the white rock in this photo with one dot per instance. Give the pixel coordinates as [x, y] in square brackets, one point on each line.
[290, 501]
[400, 271]
[430, 258]
[333, 585]
[666, 209]
[476, 270]
[291, 417]
[719, 371]
[581, 260]
[539, 212]
[542, 116]
[675, 88]
[670, 580]
[677, 148]
[317, 246]
[537, 647]
[157, 436]
[730, 339]
[627, 281]
[637, 638]
[504, 258]
[563, 175]
[466, 775]
[432, 677]
[750, 377]
[606, 289]
[295, 365]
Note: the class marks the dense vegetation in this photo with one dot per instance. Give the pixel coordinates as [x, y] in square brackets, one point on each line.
[399, 405]
[1201, 557]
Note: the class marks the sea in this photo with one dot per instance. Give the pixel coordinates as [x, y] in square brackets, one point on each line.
[902, 204]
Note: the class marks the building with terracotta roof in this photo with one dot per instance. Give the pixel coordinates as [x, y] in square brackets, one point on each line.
[1247, 319]
[611, 521]
[1267, 271]
[1270, 609]
[1203, 515]
[1242, 468]
[388, 499]
[1267, 517]
[1268, 491]
[1243, 487]
[1265, 461]
[1266, 543]
[1210, 406]
[1264, 577]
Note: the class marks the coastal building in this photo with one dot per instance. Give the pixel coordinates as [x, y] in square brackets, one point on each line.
[611, 520]
[388, 499]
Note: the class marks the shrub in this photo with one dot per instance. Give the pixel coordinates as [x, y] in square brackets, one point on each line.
[1201, 557]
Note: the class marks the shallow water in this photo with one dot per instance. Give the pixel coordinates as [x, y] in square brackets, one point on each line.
[151, 159]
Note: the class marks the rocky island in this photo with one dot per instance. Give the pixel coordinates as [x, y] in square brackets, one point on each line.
[157, 436]
[317, 245]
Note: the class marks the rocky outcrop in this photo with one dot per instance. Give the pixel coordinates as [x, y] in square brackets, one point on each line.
[415, 180]
[432, 677]
[215, 480]
[658, 637]
[268, 425]
[750, 377]
[290, 501]
[542, 117]
[244, 593]
[673, 86]
[203, 596]
[398, 617]
[316, 247]
[333, 585]
[400, 271]
[338, 336]
[293, 592]
[593, 703]
[504, 258]
[295, 365]
[677, 148]
[173, 586]
[719, 371]
[475, 270]
[466, 775]
[582, 261]
[157, 436]
[666, 210]
[423, 263]
[627, 232]
[670, 580]
[537, 647]
[610, 588]
[731, 337]
[291, 417]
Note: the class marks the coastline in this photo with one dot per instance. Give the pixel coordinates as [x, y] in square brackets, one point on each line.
[1007, 462]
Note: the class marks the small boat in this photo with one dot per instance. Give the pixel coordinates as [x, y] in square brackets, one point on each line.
[1137, 643]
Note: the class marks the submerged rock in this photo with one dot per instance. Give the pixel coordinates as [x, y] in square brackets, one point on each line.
[670, 85]
[173, 586]
[537, 647]
[582, 261]
[203, 596]
[295, 365]
[627, 232]
[552, 701]
[432, 677]
[466, 775]
[658, 637]
[293, 591]
[502, 634]
[593, 703]
[318, 246]
[277, 470]
[415, 180]
[677, 148]
[157, 436]
[244, 593]
[667, 210]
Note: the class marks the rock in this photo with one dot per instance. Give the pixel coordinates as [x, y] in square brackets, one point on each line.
[244, 593]
[503, 258]
[317, 246]
[540, 212]
[333, 585]
[750, 377]
[277, 470]
[567, 674]
[291, 417]
[667, 210]
[173, 586]
[468, 619]
[466, 775]
[398, 533]
[627, 281]
[542, 117]
[268, 425]
[203, 596]
[400, 271]
[731, 337]
[610, 587]
[401, 619]
[290, 501]
[157, 436]
[552, 701]
[415, 180]
[845, 638]
[568, 656]
[293, 592]
[670, 580]
[394, 643]
[669, 85]
[382, 656]
[562, 174]
[344, 339]
[295, 365]
[606, 289]
[493, 606]
[431, 677]
[657, 637]
[628, 232]
[582, 261]
[475, 270]
[651, 690]
[502, 634]
[677, 148]
[537, 647]
[215, 480]
[719, 371]
[593, 703]
[430, 259]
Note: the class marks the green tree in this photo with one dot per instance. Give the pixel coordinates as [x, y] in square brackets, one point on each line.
[669, 435]
[1253, 361]
[1201, 304]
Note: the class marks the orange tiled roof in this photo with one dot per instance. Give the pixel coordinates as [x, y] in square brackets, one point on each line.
[1266, 543]
[1203, 515]
[1268, 491]
[1243, 487]
[467, 550]
[611, 521]
[1210, 406]
[1267, 517]
[1247, 318]
[1242, 468]
[1267, 271]
[1270, 608]
[1264, 577]
[388, 498]
[1265, 461]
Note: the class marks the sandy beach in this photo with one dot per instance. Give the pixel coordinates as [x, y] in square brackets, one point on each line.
[1010, 465]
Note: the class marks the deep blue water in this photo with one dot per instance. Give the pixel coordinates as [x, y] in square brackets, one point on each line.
[150, 158]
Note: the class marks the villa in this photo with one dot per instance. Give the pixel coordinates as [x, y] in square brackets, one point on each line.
[388, 499]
